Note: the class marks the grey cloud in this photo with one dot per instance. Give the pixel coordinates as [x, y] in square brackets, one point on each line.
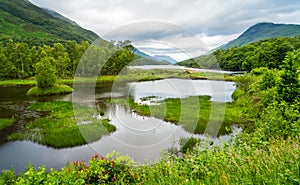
[217, 20]
[216, 17]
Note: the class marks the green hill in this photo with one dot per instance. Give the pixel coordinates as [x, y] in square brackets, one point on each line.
[263, 31]
[22, 21]
[267, 53]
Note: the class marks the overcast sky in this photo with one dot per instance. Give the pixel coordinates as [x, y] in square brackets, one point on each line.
[215, 22]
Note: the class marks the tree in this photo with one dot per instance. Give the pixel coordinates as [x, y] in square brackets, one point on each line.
[62, 59]
[289, 86]
[45, 73]
[119, 60]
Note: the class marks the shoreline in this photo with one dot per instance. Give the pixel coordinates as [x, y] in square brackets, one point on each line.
[32, 83]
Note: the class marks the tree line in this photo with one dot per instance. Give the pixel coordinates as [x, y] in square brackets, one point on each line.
[19, 60]
[266, 53]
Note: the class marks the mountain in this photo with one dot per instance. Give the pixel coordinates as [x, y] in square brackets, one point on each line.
[21, 20]
[140, 53]
[164, 58]
[57, 15]
[146, 59]
[263, 31]
[153, 60]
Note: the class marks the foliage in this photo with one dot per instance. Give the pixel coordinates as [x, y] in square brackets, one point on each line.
[268, 53]
[45, 73]
[117, 62]
[289, 86]
[238, 164]
[18, 60]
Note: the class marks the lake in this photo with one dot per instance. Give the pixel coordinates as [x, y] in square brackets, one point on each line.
[142, 138]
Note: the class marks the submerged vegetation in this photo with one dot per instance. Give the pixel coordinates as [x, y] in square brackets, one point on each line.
[59, 129]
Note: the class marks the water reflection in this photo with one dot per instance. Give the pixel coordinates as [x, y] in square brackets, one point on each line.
[143, 138]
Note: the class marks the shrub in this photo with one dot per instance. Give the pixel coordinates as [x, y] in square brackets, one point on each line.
[45, 73]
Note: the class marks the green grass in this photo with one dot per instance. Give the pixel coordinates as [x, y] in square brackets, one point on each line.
[64, 133]
[241, 164]
[60, 129]
[15, 83]
[6, 122]
[184, 112]
[132, 75]
[237, 164]
[55, 90]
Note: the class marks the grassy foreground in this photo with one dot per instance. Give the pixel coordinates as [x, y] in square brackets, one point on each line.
[55, 90]
[186, 112]
[60, 129]
[238, 164]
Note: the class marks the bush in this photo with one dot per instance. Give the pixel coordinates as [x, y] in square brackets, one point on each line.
[45, 73]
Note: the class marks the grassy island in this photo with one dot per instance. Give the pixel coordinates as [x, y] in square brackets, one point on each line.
[54, 90]
[59, 128]
[184, 112]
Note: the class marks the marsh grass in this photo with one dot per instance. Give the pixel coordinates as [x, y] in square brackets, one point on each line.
[6, 122]
[59, 128]
[55, 90]
[239, 164]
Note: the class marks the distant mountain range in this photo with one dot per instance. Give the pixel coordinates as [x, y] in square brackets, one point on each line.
[21, 20]
[158, 59]
[263, 31]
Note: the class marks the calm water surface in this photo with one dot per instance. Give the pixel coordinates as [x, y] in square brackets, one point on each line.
[142, 138]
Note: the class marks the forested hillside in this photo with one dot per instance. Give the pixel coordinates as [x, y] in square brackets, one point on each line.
[267, 53]
[22, 21]
[262, 31]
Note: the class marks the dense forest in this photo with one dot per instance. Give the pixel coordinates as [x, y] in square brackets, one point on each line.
[267, 53]
[18, 60]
